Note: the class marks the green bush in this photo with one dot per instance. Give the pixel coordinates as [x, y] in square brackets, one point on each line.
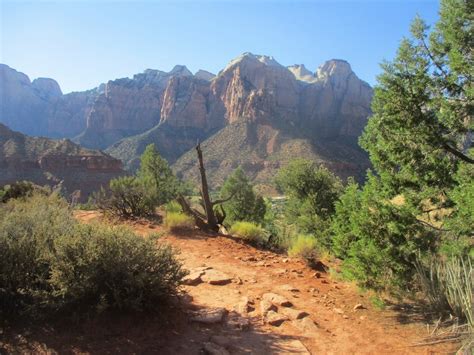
[21, 189]
[248, 231]
[50, 263]
[102, 267]
[305, 247]
[178, 220]
[127, 197]
[173, 207]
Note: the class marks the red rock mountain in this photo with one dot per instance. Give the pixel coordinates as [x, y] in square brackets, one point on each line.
[324, 111]
[51, 162]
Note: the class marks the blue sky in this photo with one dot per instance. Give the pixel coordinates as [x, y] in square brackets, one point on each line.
[83, 43]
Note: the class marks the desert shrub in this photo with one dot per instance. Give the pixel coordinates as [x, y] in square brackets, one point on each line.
[126, 197]
[449, 286]
[99, 267]
[21, 189]
[50, 262]
[248, 231]
[305, 247]
[28, 230]
[178, 220]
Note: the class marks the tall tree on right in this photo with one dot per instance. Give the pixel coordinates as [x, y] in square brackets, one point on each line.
[419, 204]
[423, 105]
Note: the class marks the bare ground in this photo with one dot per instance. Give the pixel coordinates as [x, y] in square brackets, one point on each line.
[333, 326]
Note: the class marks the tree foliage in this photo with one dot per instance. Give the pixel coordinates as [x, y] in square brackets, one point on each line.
[312, 192]
[420, 203]
[157, 177]
[244, 205]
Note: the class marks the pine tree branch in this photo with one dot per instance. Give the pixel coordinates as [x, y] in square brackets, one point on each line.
[218, 202]
[457, 153]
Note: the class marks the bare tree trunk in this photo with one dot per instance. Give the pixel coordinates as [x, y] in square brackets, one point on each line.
[208, 206]
[211, 221]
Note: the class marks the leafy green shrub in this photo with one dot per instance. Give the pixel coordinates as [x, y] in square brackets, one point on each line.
[248, 231]
[305, 247]
[178, 220]
[49, 262]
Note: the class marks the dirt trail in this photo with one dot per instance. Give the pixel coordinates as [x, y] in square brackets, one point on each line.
[330, 325]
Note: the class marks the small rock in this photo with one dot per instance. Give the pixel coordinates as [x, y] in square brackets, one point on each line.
[293, 314]
[243, 307]
[281, 271]
[306, 325]
[338, 310]
[362, 317]
[266, 306]
[289, 288]
[358, 306]
[285, 260]
[324, 281]
[220, 340]
[235, 321]
[317, 275]
[209, 315]
[275, 319]
[277, 299]
[215, 277]
[345, 316]
[193, 278]
[214, 349]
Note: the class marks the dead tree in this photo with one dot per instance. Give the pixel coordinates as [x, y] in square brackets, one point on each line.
[212, 219]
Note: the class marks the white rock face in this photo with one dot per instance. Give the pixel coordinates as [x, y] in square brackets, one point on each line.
[204, 75]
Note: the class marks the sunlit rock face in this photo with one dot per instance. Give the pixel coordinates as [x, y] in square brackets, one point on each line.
[327, 108]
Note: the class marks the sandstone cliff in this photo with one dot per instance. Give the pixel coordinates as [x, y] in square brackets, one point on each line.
[326, 109]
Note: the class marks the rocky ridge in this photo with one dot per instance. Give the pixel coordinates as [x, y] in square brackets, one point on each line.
[51, 162]
[326, 110]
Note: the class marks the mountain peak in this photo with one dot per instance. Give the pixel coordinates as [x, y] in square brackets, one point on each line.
[180, 70]
[250, 57]
[301, 72]
[334, 67]
[204, 74]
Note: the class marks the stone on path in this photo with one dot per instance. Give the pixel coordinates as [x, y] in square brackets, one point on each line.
[289, 288]
[216, 277]
[214, 349]
[266, 306]
[293, 314]
[306, 325]
[193, 278]
[274, 318]
[209, 315]
[276, 299]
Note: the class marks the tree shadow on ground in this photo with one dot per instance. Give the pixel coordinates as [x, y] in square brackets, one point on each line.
[167, 332]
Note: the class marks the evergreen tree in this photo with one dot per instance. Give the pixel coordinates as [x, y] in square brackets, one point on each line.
[156, 175]
[244, 205]
[312, 192]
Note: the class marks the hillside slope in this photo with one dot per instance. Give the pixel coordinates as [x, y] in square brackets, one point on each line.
[46, 161]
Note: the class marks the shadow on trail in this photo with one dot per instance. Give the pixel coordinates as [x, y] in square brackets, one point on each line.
[167, 332]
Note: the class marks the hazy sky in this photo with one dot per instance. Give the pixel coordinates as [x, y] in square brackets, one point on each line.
[83, 43]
